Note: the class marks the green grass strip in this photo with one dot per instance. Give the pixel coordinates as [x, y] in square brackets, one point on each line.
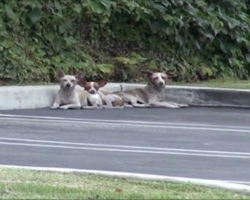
[24, 184]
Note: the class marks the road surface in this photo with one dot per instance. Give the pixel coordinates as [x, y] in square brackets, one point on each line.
[204, 143]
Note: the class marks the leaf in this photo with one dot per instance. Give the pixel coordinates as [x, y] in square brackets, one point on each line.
[58, 6]
[58, 43]
[107, 3]
[159, 7]
[50, 36]
[79, 66]
[166, 3]
[122, 60]
[206, 71]
[235, 63]
[10, 12]
[152, 65]
[35, 15]
[232, 23]
[136, 59]
[97, 7]
[105, 68]
[77, 8]
[247, 56]
[132, 5]
[192, 10]
[7, 43]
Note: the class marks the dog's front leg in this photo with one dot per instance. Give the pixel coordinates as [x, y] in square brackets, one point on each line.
[178, 104]
[135, 104]
[108, 102]
[94, 106]
[56, 103]
[167, 105]
[70, 106]
[55, 106]
[164, 105]
[138, 105]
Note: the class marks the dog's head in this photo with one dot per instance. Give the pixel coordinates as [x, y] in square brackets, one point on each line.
[69, 81]
[158, 79]
[92, 87]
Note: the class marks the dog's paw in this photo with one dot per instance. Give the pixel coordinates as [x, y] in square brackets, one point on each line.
[89, 107]
[64, 107]
[127, 106]
[53, 107]
[108, 107]
[183, 105]
[175, 106]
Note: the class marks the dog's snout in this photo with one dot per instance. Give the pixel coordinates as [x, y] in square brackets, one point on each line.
[68, 85]
[161, 83]
[92, 91]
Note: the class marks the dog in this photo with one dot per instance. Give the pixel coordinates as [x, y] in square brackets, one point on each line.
[152, 95]
[68, 97]
[97, 98]
[94, 97]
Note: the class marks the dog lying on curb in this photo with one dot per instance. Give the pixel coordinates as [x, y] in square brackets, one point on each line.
[152, 95]
[68, 97]
[97, 98]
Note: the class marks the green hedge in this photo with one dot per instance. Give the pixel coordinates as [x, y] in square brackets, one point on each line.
[115, 39]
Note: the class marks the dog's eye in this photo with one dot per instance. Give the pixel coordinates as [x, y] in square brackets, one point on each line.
[64, 80]
[156, 78]
[73, 81]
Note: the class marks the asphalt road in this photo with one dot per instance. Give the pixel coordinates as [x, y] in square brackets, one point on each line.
[204, 143]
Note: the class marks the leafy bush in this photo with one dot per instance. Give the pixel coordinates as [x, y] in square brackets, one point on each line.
[115, 39]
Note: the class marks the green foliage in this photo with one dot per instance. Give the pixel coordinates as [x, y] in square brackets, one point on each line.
[200, 39]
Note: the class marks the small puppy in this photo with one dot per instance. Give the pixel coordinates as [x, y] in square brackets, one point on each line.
[153, 94]
[94, 98]
[67, 97]
[97, 98]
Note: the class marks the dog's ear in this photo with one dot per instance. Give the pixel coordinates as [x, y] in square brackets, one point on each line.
[82, 82]
[79, 75]
[102, 83]
[171, 74]
[147, 73]
[60, 73]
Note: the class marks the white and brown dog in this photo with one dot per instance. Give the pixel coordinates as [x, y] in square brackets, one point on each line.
[153, 94]
[98, 98]
[68, 97]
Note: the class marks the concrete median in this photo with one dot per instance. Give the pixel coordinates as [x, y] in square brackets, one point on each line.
[32, 97]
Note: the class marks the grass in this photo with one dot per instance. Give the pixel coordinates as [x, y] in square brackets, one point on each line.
[220, 83]
[24, 184]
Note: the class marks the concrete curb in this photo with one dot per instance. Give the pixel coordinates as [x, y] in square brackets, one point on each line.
[147, 177]
[31, 97]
